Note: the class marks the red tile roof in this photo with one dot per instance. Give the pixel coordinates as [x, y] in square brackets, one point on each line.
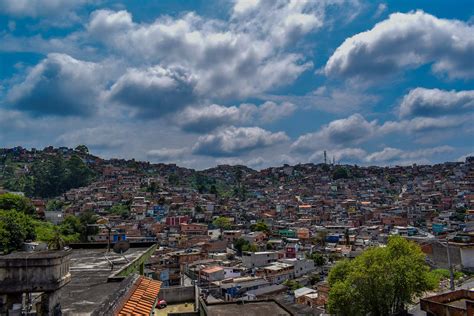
[142, 299]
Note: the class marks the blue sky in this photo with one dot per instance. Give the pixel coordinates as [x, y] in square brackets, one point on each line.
[260, 83]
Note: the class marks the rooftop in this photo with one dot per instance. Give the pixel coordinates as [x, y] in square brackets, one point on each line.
[89, 286]
[142, 299]
[249, 308]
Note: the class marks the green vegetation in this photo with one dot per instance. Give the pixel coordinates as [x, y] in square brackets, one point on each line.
[381, 281]
[50, 176]
[222, 222]
[17, 225]
[260, 227]
[15, 228]
[9, 201]
[82, 149]
[250, 247]
[340, 173]
[239, 245]
[444, 274]
[292, 284]
[318, 259]
[242, 245]
[120, 209]
[54, 205]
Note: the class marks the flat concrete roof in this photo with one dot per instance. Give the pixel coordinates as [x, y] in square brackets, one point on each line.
[90, 270]
[247, 309]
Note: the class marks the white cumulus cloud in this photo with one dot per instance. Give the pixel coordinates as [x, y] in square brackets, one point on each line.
[403, 41]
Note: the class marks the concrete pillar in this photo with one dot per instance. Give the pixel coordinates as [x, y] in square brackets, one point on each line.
[50, 305]
[7, 301]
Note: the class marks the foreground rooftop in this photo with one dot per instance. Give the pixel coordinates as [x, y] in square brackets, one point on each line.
[90, 270]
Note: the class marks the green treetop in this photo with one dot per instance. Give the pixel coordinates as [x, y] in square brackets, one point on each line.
[222, 222]
[381, 281]
[9, 201]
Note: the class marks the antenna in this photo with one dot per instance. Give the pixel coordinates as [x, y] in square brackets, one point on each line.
[333, 160]
[325, 158]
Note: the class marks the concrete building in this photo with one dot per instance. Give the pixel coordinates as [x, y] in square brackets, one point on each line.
[301, 266]
[45, 272]
[54, 217]
[456, 303]
[212, 274]
[258, 259]
[277, 272]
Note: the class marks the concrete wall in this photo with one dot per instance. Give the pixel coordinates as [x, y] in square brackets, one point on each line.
[440, 305]
[177, 294]
[40, 271]
[135, 266]
[440, 257]
[467, 257]
[258, 259]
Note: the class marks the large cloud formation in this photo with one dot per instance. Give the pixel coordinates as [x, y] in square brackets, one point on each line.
[154, 91]
[389, 154]
[352, 130]
[234, 141]
[59, 85]
[37, 8]
[436, 102]
[202, 83]
[227, 59]
[208, 118]
[406, 40]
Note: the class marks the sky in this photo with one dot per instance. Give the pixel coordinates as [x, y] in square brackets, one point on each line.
[255, 82]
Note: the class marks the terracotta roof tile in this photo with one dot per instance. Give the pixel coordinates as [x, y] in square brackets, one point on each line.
[143, 298]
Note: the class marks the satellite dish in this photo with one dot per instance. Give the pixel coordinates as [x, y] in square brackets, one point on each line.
[121, 246]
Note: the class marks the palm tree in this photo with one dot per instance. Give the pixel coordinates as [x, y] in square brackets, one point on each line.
[57, 241]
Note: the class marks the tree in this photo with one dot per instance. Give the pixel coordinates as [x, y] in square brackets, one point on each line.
[53, 175]
[250, 247]
[381, 281]
[340, 173]
[239, 244]
[77, 174]
[173, 179]
[198, 209]
[292, 284]
[57, 241]
[82, 149]
[10, 201]
[260, 227]
[318, 259]
[213, 190]
[314, 278]
[54, 205]
[222, 222]
[120, 209]
[15, 228]
[88, 221]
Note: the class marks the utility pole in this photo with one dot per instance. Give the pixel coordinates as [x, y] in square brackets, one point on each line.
[450, 266]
